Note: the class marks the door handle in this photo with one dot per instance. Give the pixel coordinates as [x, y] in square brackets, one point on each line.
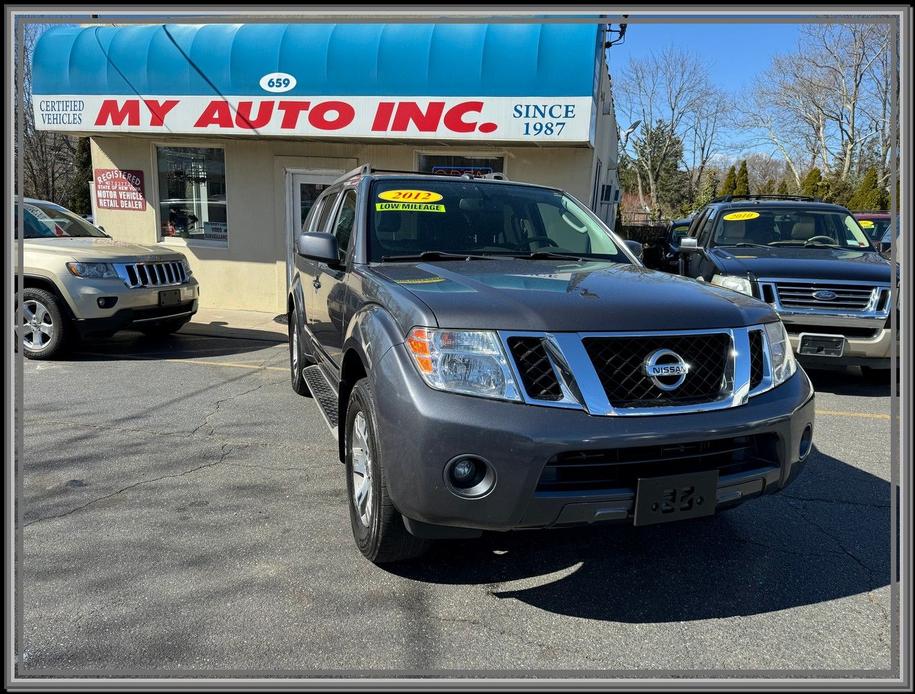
[316, 283]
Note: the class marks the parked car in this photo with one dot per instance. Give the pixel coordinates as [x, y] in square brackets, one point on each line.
[490, 356]
[812, 262]
[79, 282]
[879, 228]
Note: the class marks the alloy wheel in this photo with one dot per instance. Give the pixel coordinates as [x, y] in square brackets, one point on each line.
[361, 455]
[37, 328]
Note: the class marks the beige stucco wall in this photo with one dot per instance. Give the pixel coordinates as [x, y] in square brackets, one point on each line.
[250, 272]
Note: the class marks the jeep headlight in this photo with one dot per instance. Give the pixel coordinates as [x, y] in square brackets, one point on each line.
[738, 284]
[470, 362]
[93, 271]
[781, 356]
[187, 267]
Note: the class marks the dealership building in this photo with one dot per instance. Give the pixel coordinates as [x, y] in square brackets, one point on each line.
[216, 139]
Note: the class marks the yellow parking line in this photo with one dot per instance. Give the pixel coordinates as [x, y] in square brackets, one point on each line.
[863, 415]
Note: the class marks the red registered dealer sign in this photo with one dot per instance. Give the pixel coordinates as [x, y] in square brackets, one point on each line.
[119, 189]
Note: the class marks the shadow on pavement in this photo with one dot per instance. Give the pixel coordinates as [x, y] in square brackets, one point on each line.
[800, 547]
[848, 381]
[192, 342]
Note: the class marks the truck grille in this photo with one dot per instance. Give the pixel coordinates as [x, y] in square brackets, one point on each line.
[535, 368]
[619, 362]
[847, 297]
[621, 468]
[157, 274]
[756, 358]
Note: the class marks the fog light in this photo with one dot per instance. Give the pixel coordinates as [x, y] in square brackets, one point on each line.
[469, 476]
[106, 301]
[806, 441]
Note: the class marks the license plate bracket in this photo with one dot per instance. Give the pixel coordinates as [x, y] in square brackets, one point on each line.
[675, 497]
[170, 297]
[821, 345]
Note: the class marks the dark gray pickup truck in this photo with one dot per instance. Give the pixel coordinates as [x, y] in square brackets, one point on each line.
[491, 357]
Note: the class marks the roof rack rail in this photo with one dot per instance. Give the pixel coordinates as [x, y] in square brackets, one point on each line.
[729, 198]
[367, 169]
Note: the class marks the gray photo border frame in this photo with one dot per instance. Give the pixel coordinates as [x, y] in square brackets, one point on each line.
[898, 677]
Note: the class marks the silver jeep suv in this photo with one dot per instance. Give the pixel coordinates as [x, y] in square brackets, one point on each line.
[79, 282]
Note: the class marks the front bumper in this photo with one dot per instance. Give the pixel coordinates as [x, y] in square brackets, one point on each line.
[134, 307]
[859, 351]
[421, 429]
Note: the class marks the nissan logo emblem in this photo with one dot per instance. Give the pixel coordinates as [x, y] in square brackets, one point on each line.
[666, 369]
[824, 295]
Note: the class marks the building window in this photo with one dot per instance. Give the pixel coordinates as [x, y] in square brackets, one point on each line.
[455, 165]
[192, 193]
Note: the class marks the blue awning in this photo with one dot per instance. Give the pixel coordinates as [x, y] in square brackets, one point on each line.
[527, 60]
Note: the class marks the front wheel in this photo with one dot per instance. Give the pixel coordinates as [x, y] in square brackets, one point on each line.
[378, 527]
[42, 328]
[296, 359]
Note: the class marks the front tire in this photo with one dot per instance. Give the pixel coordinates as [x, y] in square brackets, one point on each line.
[43, 330]
[378, 527]
[296, 358]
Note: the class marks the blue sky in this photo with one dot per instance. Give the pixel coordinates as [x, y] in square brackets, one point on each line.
[736, 53]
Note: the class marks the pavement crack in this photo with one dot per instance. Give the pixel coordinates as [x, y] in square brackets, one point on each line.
[225, 449]
[870, 570]
[219, 403]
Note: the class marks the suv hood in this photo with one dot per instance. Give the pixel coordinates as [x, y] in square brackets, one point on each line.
[100, 249]
[804, 263]
[561, 295]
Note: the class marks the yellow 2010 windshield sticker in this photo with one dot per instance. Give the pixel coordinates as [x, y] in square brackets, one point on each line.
[407, 207]
[866, 223]
[410, 196]
[740, 216]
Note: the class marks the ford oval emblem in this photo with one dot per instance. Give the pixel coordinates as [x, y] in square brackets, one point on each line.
[824, 295]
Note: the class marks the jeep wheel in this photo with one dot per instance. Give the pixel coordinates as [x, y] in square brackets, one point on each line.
[378, 527]
[42, 329]
[296, 360]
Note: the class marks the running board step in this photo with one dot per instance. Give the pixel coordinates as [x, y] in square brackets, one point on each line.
[323, 394]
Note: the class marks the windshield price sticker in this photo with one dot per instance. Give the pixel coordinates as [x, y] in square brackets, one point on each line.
[407, 207]
[410, 196]
[740, 216]
[866, 223]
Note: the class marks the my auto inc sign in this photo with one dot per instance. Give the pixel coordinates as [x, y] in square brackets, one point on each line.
[499, 118]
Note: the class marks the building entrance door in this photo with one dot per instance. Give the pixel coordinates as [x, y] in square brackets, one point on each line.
[302, 189]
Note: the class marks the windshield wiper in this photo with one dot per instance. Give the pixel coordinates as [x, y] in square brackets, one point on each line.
[546, 255]
[744, 244]
[807, 244]
[435, 255]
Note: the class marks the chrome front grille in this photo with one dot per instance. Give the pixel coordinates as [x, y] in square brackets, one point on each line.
[153, 274]
[829, 297]
[608, 373]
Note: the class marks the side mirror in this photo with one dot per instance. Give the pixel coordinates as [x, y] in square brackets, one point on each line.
[317, 246]
[635, 247]
[689, 245]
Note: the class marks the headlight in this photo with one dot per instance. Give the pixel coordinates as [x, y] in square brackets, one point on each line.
[93, 271]
[470, 362]
[738, 284]
[187, 267]
[781, 356]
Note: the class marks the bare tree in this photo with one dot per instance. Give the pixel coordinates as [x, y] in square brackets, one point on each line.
[669, 91]
[47, 157]
[811, 105]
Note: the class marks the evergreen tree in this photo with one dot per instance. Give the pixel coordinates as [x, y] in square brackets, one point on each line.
[783, 187]
[708, 191]
[742, 185]
[768, 188]
[869, 195]
[78, 198]
[730, 182]
[812, 183]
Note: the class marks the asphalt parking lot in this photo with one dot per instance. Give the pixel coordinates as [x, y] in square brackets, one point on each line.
[184, 511]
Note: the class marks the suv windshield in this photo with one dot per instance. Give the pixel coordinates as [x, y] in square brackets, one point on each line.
[43, 220]
[789, 227]
[410, 217]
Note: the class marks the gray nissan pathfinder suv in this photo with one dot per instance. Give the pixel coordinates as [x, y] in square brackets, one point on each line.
[490, 357]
